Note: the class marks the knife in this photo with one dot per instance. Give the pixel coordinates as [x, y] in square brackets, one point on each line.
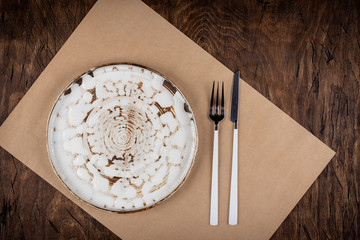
[233, 209]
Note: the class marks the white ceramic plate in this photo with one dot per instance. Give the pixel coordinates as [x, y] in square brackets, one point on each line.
[122, 138]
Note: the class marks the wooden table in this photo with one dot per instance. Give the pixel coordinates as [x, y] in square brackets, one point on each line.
[304, 56]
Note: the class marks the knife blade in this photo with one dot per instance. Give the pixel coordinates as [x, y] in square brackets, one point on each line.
[235, 98]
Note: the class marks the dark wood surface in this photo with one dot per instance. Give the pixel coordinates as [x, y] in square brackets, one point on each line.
[302, 55]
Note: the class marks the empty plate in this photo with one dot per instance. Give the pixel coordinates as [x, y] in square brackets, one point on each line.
[122, 137]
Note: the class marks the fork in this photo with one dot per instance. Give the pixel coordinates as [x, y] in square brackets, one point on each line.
[216, 117]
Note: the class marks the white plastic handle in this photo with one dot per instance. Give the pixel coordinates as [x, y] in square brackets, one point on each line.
[214, 182]
[233, 209]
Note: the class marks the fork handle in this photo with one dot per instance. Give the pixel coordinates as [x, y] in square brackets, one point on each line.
[214, 181]
[233, 209]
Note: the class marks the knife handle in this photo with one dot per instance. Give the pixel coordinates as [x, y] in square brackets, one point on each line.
[233, 209]
[214, 181]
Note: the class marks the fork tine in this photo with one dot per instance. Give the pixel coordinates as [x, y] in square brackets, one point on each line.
[212, 100]
[222, 101]
[217, 100]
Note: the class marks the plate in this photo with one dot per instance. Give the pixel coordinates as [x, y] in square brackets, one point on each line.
[122, 137]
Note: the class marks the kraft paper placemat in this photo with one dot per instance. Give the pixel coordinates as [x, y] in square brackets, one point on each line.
[278, 159]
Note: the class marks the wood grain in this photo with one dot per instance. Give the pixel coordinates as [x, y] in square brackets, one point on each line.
[304, 56]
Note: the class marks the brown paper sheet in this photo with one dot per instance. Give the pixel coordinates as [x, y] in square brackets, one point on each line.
[278, 159]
